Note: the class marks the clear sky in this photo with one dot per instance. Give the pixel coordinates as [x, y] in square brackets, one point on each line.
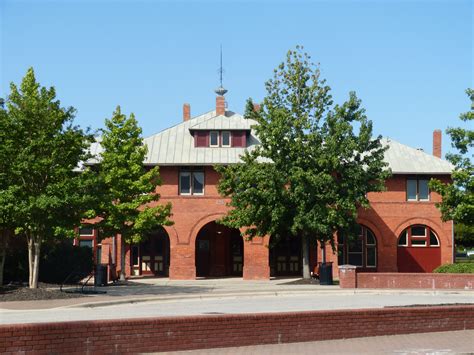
[409, 61]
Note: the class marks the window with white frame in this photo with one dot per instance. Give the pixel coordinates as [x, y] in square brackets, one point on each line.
[225, 139]
[361, 250]
[214, 139]
[417, 189]
[191, 182]
[418, 236]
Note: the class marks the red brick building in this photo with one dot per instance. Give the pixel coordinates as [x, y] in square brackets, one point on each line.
[402, 231]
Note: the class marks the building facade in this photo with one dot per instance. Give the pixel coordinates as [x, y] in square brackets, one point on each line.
[402, 231]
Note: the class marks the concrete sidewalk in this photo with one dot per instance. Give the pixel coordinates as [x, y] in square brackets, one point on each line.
[164, 290]
[441, 343]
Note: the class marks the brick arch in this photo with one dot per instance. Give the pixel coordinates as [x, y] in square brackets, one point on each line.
[191, 240]
[373, 228]
[172, 234]
[437, 228]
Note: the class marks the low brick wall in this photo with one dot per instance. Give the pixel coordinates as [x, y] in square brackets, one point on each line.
[350, 278]
[409, 280]
[200, 332]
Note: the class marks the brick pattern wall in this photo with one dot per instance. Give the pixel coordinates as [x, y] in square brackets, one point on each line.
[200, 332]
[412, 280]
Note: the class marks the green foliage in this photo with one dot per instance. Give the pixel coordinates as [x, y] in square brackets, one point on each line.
[464, 268]
[42, 193]
[464, 235]
[128, 202]
[458, 197]
[315, 164]
[58, 260]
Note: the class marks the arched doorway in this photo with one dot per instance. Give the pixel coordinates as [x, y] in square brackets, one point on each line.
[152, 256]
[285, 256]
[219, 251]
[418, 249]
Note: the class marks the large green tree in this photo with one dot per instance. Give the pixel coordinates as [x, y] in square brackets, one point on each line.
[315, 164]
[128, 200]
[44, 193]
[458, 196]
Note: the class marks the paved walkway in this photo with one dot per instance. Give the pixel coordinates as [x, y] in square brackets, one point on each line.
[444, 343]
[232, 304]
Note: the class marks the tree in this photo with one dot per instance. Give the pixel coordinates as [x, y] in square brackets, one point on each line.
[458, 197]
[312, 170]
[45, 194]
[464, 235]
[128, 201]
[7, 152]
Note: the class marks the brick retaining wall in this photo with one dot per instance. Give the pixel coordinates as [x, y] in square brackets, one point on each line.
[349, 277]
[198, 332]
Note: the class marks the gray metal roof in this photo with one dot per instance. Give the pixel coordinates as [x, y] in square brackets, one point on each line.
[403, 159]
[234, 122]
[175, 146]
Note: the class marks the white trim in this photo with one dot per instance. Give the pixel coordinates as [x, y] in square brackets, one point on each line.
[230, 139]
[210, 139]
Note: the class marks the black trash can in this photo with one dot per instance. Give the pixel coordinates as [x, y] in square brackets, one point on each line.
[325, 273]
[100, 276]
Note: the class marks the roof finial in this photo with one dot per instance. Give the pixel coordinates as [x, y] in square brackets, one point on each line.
[220, 90]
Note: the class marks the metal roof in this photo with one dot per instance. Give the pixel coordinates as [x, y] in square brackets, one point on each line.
[175, 146]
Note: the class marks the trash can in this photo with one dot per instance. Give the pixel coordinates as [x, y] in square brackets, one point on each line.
[100, 276]
[325, 273]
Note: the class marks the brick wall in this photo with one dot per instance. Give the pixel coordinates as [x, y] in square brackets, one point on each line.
[349, 278]
[200, 332]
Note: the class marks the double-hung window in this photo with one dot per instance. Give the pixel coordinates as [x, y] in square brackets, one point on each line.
[191, 182]
[225, 139]
[417, 189]
[214, 139]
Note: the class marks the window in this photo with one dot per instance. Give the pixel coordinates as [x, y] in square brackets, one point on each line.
[191, 182]
[226, 139]
[214, 139]
[359, 251]
[417, 189]
[418, 236]
[86, 243]
[86, 231]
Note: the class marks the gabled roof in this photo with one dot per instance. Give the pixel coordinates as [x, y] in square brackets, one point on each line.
[233, 122]
[403, 159]
[175, 146]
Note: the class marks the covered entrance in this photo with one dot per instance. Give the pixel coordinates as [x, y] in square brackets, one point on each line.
[285, 256]
[219, 251]
[152, 256]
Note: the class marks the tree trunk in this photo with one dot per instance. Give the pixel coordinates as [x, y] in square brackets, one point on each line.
[3, 253]
[323, 252]
[36, 261]
[305, 252]
[30, 260]
[122, 258]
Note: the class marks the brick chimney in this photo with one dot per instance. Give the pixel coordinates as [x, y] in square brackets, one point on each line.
[256, 107]
[186, 112]
[437, 143]
[220, 105]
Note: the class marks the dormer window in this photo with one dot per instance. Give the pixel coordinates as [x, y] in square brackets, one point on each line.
[226, 139]
[214, 139]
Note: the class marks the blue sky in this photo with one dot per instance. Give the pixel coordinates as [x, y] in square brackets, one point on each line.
[409, 61]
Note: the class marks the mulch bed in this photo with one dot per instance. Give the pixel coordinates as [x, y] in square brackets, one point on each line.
[10, 293]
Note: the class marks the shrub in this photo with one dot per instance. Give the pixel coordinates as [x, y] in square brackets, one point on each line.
[462, 268]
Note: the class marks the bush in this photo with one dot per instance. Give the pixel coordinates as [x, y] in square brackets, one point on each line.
[463, 268]
[58, 260]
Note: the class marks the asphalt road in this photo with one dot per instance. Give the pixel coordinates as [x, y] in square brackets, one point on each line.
[233, 304]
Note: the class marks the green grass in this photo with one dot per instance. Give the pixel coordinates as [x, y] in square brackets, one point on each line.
[458, 268]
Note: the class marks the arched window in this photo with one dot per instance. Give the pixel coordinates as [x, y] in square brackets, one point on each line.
[360, 250]
[418, 236]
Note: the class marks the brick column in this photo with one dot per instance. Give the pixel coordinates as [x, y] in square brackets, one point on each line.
[348, 276]
[256, 261]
